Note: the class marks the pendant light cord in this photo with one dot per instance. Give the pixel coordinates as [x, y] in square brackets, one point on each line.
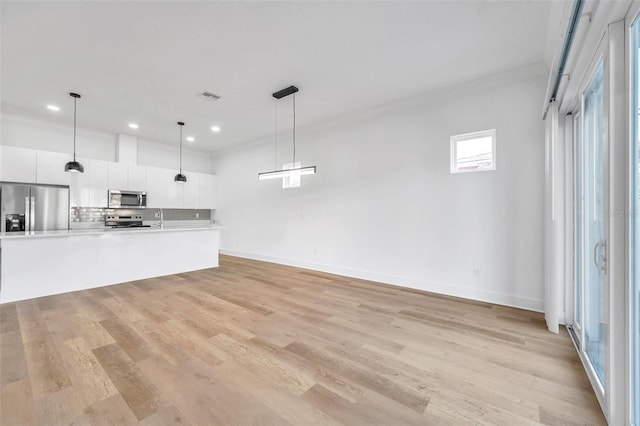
[276, 154]
[75, 100]
[294, 130]
[180, 149]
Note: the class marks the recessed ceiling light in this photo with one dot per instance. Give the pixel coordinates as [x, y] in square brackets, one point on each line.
[215, 129]
[190, 139]
[209, 96]
[53, 107]
[133, 125]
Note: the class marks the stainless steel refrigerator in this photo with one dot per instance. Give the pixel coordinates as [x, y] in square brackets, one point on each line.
[26, 207]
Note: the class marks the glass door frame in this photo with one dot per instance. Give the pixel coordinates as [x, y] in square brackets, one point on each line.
[633, 120]
[615, 396]
[576, 304]
[582, 257]
[608, 53]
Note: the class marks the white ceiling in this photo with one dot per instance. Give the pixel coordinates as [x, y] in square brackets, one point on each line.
[147, 61]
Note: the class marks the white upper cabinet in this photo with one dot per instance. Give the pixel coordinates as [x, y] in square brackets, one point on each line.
[99, 183]
[80, 186]
[191, 190]
[18, 164]
[50, 168]
[89, 189]
[118, 175]
[137, 178]
[157, 182]
[175, 192]
[208, 191]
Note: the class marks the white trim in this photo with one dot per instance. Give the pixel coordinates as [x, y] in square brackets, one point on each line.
[617, 192]
[569, 239]
[591, 373]
[536, 305]
[632, 15]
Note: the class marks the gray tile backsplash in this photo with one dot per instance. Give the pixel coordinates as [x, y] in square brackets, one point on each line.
[94, 217]
[187, 214]
[87, 214]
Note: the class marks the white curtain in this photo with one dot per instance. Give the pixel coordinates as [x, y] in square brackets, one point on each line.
[554, 221]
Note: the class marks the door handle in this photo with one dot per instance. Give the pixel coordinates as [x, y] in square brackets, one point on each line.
[27, 213]
[32, 217]
[597, 256]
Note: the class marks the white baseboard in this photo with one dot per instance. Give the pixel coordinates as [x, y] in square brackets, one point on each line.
[530, 304]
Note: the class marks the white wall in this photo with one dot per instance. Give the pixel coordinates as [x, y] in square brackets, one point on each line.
[156, 155]
[27, 133]
[34, 134]
[384, 206]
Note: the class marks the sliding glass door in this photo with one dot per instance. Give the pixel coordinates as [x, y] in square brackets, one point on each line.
[593, 238]
[577, 218]
[590, 224]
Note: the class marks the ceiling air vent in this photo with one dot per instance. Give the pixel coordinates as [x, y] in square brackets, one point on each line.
[209, 96]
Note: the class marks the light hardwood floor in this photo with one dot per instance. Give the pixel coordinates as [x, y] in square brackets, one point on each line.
[258, 343]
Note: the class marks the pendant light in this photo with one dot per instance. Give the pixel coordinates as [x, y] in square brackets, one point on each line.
[180, 177]
[297, 171]
[74, 166]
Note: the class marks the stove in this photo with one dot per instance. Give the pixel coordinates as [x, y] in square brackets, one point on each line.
[124, 221]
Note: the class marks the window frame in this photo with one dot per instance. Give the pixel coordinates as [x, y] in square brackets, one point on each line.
[454, 167]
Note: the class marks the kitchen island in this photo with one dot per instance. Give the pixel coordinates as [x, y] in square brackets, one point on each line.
[35, 264]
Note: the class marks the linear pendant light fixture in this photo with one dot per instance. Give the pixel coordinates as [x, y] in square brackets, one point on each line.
[298, 171]
[180, 177]
[74, 166]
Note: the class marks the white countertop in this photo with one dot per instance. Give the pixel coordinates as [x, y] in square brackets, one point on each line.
[102, 231]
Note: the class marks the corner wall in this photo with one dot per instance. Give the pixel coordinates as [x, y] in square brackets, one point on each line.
[384, 206]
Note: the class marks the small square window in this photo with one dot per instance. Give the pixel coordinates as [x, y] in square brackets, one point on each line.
[473, 152]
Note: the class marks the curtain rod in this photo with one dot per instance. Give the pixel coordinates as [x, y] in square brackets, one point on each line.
[566, 49]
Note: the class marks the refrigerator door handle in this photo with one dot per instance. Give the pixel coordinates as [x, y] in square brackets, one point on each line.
[32, 215]
[27, 213]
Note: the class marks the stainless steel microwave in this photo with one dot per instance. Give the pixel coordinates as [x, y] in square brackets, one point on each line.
[127, 199]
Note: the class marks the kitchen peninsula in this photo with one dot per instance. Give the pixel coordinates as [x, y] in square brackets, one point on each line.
[36, 264]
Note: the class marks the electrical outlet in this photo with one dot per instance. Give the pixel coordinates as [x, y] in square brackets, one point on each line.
[476, 272]
[157, 215]
[197, 215]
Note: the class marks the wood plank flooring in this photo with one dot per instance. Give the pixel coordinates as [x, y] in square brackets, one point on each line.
[254, 343]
